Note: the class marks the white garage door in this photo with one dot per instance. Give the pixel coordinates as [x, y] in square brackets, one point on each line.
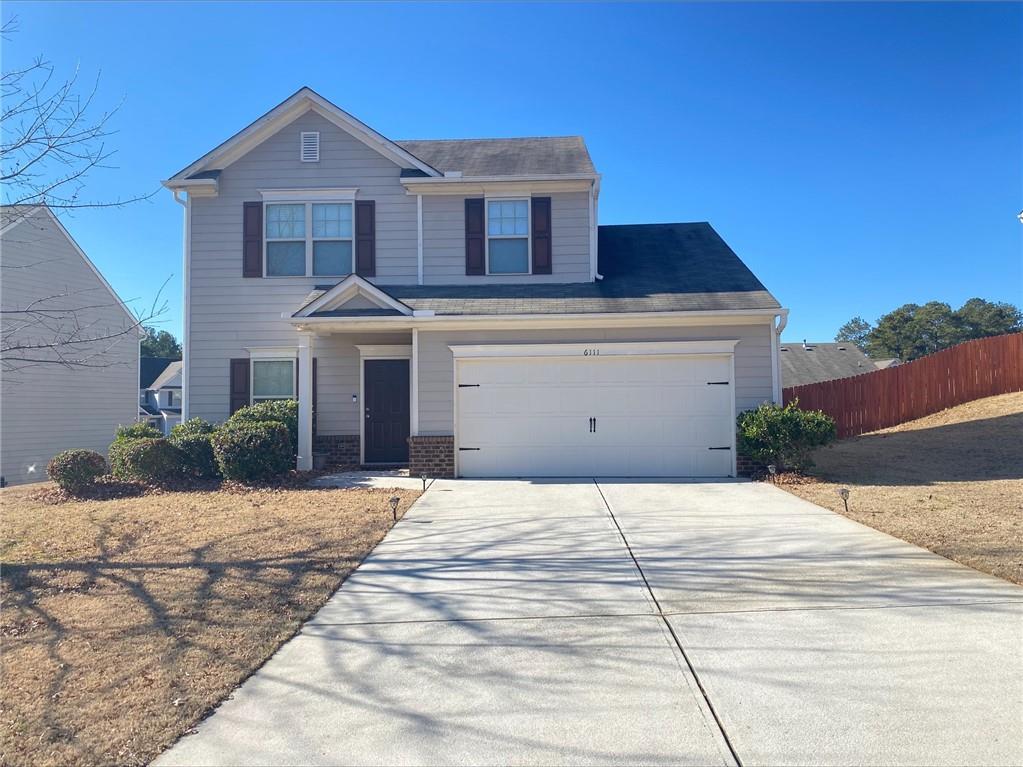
[658, 416]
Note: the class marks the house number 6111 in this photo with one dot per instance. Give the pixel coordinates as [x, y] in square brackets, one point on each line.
[591, 352]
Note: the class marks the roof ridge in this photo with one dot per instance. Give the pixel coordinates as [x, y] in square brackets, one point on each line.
[488, 138]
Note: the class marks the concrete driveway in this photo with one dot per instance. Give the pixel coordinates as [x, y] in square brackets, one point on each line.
[630, 622]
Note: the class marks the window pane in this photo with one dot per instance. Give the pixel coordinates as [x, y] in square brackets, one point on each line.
[509, 256]
[285, 221]
[508, 217]
[332, 257]
[285, 258]
[332, 220]
[273, 378]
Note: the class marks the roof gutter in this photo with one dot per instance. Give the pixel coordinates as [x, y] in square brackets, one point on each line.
[480, 179]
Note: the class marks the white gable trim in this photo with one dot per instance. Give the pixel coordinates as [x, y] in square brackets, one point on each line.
[351, 286]
[88, 262]
[286, 112]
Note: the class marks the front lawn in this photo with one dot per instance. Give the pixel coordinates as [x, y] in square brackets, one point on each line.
[951, 482]
[125, 621]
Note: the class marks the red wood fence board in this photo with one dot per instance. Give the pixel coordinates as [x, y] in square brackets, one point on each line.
[888, 397]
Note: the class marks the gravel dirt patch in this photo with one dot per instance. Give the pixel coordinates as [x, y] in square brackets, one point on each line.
[125, 621]
[951, 482]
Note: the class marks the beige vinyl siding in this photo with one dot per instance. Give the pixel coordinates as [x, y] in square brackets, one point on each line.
[47, 408]
[444, 242]
[436, 366]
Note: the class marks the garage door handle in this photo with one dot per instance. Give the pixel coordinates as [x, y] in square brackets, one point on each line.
[717, 383]
[719, 448]
[468, 386]
[468, 448]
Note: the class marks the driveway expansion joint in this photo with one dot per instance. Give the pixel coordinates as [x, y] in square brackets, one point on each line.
[671, 630]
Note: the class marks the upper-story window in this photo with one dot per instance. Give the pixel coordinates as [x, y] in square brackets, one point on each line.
[508, 236]
[309, 238]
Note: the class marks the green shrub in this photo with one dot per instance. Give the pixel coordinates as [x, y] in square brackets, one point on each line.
[76, 470]
[153, 461]
[283, 411]
[784, 436]
[137, 431]
[193, 426]
[194, 438]
[250, 451]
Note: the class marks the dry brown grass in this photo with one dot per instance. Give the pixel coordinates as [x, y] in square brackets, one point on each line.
[125, 621]
[951, 482]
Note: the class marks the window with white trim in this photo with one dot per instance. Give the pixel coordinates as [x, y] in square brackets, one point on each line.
[309, 239]
[273, 379]
[508, 236]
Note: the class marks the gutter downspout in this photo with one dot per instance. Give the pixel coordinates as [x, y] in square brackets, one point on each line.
[186, 247]
[783, 320]
[594, 262]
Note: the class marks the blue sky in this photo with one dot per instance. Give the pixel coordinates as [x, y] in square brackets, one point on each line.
[857, 157]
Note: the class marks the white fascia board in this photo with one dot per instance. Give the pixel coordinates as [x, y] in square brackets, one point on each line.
[498, 185]
[534, 321]
[287, 111]
[343, 291]
[199, 187]
[595, 349]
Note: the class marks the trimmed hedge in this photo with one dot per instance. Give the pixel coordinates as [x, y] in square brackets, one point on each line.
[153, 461]
[284, 411]
[137, 431]
[76, 470]
[784, 436]
[252, 451]
[194, 438]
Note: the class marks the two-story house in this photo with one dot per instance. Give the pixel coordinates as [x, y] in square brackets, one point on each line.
[454, 305]
[160, 392]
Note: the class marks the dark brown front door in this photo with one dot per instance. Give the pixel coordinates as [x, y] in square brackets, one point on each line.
[386, 411]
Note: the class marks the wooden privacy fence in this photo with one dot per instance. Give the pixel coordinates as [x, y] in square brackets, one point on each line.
[888, 397]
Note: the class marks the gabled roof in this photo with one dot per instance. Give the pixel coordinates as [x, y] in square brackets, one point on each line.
[646, 268]
[330, 300]
[170, 378]
[300, 102]
[150, 369]
[554, 155]
[12, 216]
[806, 363]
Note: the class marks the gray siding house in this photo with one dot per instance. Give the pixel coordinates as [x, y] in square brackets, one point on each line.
[454, 306]
[74, 394]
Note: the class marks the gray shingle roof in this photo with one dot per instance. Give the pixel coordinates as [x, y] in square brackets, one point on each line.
[822, 362]
[150, 369]
[556, 155]
[646, 268]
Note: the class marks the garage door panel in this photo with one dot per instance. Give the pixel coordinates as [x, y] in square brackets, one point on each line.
[655, 416]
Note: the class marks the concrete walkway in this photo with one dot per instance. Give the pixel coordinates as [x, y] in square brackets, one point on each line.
[629, 622]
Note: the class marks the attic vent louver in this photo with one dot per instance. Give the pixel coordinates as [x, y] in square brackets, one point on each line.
[310, 151]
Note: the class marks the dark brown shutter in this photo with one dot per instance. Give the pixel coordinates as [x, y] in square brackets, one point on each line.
[475, 242]
[252, 239]
[239, 383]
[541, 235]
[365, 238]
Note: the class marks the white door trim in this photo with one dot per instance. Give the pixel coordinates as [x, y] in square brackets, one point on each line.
[378, 352]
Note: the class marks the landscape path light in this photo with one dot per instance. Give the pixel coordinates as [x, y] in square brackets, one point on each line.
[843, 493]
[394, 501]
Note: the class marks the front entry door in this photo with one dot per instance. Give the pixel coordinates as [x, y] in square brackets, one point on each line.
[386, 411]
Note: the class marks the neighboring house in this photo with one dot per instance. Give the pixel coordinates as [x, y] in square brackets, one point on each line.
[50, 291]
[453, 305]
[806, 363]
[160, 392]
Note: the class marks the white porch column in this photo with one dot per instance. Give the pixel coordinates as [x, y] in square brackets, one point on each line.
[305, 401]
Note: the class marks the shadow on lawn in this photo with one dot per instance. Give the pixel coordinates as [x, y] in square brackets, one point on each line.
[984, 449]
